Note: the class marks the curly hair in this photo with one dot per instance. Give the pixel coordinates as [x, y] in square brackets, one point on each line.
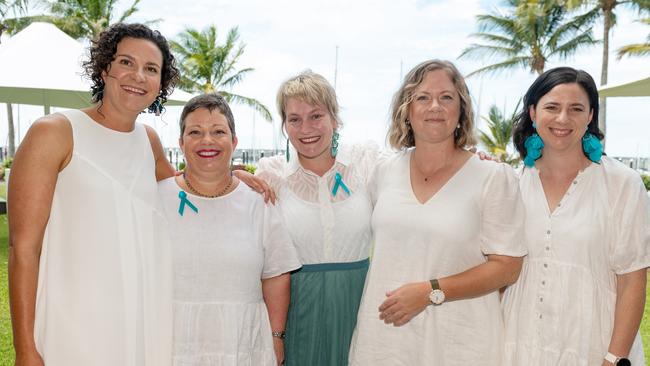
[102, 52]
[400, 134]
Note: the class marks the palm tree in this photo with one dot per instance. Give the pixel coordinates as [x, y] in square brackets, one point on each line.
[209, 67]
[14, 7]
[605, 10]
[529, 34]
[499, 135]
[636, 49]
[88, 18]
[80, 19]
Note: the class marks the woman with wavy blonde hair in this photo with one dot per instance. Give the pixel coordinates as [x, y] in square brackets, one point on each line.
[448, 233]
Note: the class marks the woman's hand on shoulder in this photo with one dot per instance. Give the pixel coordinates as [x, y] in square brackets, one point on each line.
[404, 303]
[481, 154]
[258, 184]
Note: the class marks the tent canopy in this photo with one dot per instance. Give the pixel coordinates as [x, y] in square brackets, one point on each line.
[638, 88]
[41, 65]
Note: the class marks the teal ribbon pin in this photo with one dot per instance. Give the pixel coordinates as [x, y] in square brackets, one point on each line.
[184, 201]
[339, 183]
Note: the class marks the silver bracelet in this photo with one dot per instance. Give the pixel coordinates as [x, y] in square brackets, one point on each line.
[279, 334]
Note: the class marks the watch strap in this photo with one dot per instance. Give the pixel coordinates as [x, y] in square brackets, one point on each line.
[610, 357]
[434, 284]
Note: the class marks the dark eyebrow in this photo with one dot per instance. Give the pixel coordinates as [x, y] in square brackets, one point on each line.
[132, 59]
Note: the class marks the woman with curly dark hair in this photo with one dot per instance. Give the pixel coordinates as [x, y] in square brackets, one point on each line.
[89, 265]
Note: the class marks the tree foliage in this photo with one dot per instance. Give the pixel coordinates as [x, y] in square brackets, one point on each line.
[208, 66]
[498, 137]
[527, 35]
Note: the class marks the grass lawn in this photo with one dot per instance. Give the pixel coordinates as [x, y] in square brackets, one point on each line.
[6, 346]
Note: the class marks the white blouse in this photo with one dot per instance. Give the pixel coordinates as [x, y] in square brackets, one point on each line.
[476, 213]
[561, 310]
[326, 227]
[220, 255]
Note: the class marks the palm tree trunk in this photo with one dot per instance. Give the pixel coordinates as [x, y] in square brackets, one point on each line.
[602, 114]
[10, 131]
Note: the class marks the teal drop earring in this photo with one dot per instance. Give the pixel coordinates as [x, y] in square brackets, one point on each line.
[592, 147]
[534, 146]
[334, 149]
[286, 152]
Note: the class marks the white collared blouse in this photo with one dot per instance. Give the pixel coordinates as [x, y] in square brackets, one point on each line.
[326, 225]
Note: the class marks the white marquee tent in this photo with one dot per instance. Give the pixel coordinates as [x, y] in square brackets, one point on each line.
[41, 65]
[637, 88]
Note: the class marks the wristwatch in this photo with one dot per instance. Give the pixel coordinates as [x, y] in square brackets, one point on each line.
[617, 361]
[436, 296]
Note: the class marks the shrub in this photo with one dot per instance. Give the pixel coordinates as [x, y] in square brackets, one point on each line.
[7, 163]
[646, 181]
[250, 168]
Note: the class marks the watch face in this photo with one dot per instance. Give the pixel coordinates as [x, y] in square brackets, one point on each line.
[437, 297]
[623, 362]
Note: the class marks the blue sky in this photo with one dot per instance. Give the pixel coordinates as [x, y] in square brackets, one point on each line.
[378, 41]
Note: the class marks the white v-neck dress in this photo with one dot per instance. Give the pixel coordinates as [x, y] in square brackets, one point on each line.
[476, 213]
[104, 284]
[561, 310]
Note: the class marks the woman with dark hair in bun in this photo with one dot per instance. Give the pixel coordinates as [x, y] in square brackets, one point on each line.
[89, 267]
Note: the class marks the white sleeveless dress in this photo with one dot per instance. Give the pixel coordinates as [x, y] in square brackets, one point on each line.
[104, 286]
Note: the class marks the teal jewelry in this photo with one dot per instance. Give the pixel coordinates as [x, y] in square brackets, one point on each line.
[156, 107]
[286, 152]
[592, 147]
[534, 146]
[334, 149]
[338, 182]
[185, 201]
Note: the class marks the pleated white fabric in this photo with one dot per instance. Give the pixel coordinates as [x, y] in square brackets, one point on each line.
[561, 310]
[104, 285]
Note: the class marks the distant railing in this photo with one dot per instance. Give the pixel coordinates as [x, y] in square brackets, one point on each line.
[239, 157]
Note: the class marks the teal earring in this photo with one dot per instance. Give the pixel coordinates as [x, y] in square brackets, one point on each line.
[534, 146]
[156, 107]
[286, 152]
[592, 147]
[334, 149]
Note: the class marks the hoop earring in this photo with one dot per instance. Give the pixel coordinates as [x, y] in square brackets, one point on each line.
[534, 146]
[334, 149]
[286, 152]
[592, 147]
[156, 107]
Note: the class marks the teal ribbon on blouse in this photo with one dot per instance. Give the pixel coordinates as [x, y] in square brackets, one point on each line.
[184, 201]
[338, 182]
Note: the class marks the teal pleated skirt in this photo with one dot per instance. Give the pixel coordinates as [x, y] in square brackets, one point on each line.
[323, 313]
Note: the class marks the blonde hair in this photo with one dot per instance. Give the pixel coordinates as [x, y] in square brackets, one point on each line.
[311, 88]
[400, 134]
